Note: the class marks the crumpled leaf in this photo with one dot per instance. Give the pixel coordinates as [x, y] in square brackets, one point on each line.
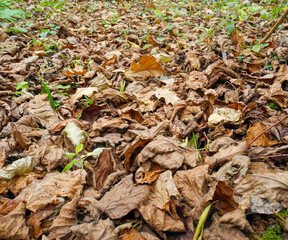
[167, 153]
[18, 167]
[193, 187]
[160, 219]
[100, 82]
[161, 56]
[41, 193]
[74, 133]
[131, 233]
[13, 226]
[66, 218]
[222, 231]
[147, 66]
[234, 170]
[40, 109]
[238, 219]
[227, 115]
[263, 140]
[196, 81]
[226, 154]
[272, 186]
[122, 198]
[103, 229]
[224, 197]
[162, 190]
[169, 96]
[48, 155]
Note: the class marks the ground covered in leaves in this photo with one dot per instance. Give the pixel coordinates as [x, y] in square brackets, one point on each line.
[153, 120]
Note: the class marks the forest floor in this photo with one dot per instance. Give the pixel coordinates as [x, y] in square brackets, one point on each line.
[143, 120]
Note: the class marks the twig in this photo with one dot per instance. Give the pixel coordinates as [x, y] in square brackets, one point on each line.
[267, 129]
[280, 20]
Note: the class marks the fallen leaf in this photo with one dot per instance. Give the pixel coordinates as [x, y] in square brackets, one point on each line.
[18, 167]
[122, 198]
[40, 109]
[102, 229]
[147, 66]
[272, 186]
[263, 140]
[227, 115]
[131, 233]
[67, 217]
[238, 219]
[226, 154]
[13, 226]
[41, 193]
[222, 231]
[74, 134]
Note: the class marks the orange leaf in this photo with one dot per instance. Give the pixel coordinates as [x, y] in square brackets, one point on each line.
[147, 66]
[263, 140]
[131, 233]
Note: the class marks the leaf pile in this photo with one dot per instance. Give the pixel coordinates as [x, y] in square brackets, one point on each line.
[164, 122]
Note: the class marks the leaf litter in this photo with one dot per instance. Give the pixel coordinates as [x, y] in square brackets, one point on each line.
[123, 120]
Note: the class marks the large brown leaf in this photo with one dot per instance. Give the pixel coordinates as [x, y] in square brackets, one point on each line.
[66, 218]
[123, 198]
[104, 229]
[147, 66]
[262, 141]
[13, 226]
[41, 193]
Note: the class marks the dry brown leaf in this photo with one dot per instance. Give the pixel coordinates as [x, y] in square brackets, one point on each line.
[147, 66]
[222, 231]
[34, 220]
[196, 81]
[224, 197]
[40, 109]
[151, 176]
[272, 186]
[67, 217]
[263, 140]
[101, 170]
[103, 229]
[238, 219]
[13, 226]
[162, 190]
[167, 153]
[122, 198]
[159, 219]
[41, 193]
[131, 233]
[193, 187]
[226, 154]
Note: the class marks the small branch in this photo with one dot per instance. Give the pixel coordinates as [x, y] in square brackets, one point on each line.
[280, 20]
[275, 124]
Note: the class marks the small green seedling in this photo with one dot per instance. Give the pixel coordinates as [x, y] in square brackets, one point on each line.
[122, 89]
[79, 161]
[21, 86]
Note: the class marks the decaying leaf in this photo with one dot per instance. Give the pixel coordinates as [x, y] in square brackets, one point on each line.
[238, 219]
[193, 187]
[263, 140]
[18, 167]
[222, 231]
[41, 193]
[225, 115]
[13, 226]
[122, 198]
[40, 109]
[147, 66]
[272, 186]
[102, 229]
[66, 218]
[226, 154]
[74, 133]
